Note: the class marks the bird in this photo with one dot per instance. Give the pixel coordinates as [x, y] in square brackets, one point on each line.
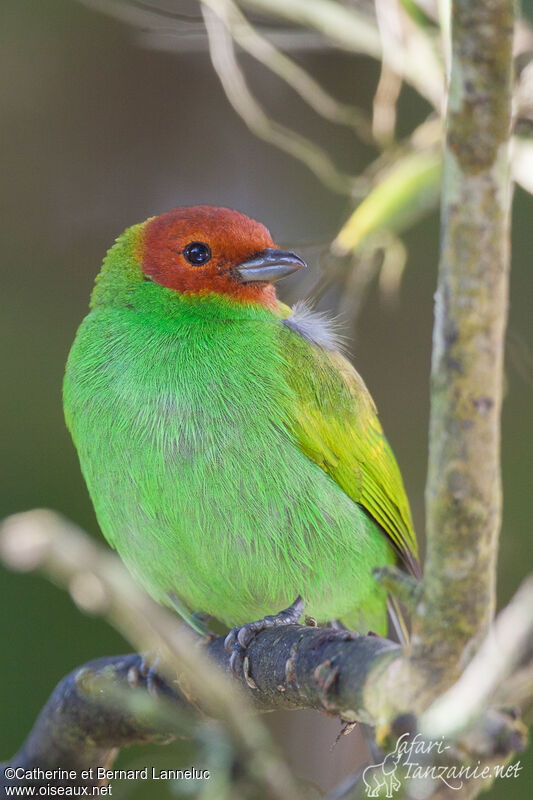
[233, 454]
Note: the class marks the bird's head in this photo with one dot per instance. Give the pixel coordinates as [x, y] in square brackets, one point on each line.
[195, 251]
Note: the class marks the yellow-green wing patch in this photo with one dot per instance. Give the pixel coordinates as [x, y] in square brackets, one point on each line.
[335, 422]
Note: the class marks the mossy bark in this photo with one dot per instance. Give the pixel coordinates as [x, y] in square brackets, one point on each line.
[464, 487]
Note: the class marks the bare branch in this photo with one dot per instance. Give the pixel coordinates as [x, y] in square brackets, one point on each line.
[295, 76]
[464, 489]
[347, 27]
[390, 84]
[165, 29]
[225, 64]
[109, 703]
[417, 61]
[105, 704]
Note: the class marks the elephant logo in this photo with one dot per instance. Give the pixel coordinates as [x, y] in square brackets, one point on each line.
[382, 776]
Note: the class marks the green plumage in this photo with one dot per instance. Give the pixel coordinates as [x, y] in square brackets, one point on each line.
[232, 463]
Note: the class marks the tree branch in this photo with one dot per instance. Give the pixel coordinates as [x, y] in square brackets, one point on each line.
[508, 642]
[104, 705]
[87, 719]
[109, 704]
[463, 489]
[291, 666]
[99, 583]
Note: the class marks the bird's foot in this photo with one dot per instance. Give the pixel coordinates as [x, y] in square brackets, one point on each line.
[148, 670]
[239, 638]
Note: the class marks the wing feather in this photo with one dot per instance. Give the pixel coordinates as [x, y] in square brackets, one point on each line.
[336, 424]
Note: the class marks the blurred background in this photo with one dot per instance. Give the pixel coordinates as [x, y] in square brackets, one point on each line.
[104, 124]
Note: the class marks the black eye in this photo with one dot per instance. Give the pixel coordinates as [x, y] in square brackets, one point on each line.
[197, 253]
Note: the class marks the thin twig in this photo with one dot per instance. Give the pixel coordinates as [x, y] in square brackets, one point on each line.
[292, 73]
[400, 584]
[417, 62]
[161, 28]
[390, 83]
[224, 61]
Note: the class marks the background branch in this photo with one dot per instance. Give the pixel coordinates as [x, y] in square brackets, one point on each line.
[417, 61]
[260, 48]
[224, 61]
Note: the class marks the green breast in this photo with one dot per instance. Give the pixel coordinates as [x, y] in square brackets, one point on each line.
[181, 422]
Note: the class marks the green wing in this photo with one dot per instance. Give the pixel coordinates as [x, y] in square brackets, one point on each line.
[336, 424]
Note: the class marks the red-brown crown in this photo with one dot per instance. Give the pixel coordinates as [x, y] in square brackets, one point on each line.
[232, 238]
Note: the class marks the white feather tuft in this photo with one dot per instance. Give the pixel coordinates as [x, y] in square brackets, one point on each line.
[315, 326]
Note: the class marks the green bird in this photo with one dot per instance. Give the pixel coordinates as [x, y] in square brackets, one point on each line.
[233, 455]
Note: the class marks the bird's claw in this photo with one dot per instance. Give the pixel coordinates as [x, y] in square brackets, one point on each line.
[236, 660]
[148, 670]
[239, 638]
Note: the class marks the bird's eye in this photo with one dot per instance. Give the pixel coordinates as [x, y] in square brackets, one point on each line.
[197, 253]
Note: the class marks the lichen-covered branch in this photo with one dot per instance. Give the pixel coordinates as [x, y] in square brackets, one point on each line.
[463, 489]
[99, 582]
[105, 705]
[86, 720]
[508, 645]
[110, 703]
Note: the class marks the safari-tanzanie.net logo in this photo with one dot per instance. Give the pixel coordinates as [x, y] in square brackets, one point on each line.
[417, 759]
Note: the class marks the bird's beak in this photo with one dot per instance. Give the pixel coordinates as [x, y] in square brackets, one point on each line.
[269, 265]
